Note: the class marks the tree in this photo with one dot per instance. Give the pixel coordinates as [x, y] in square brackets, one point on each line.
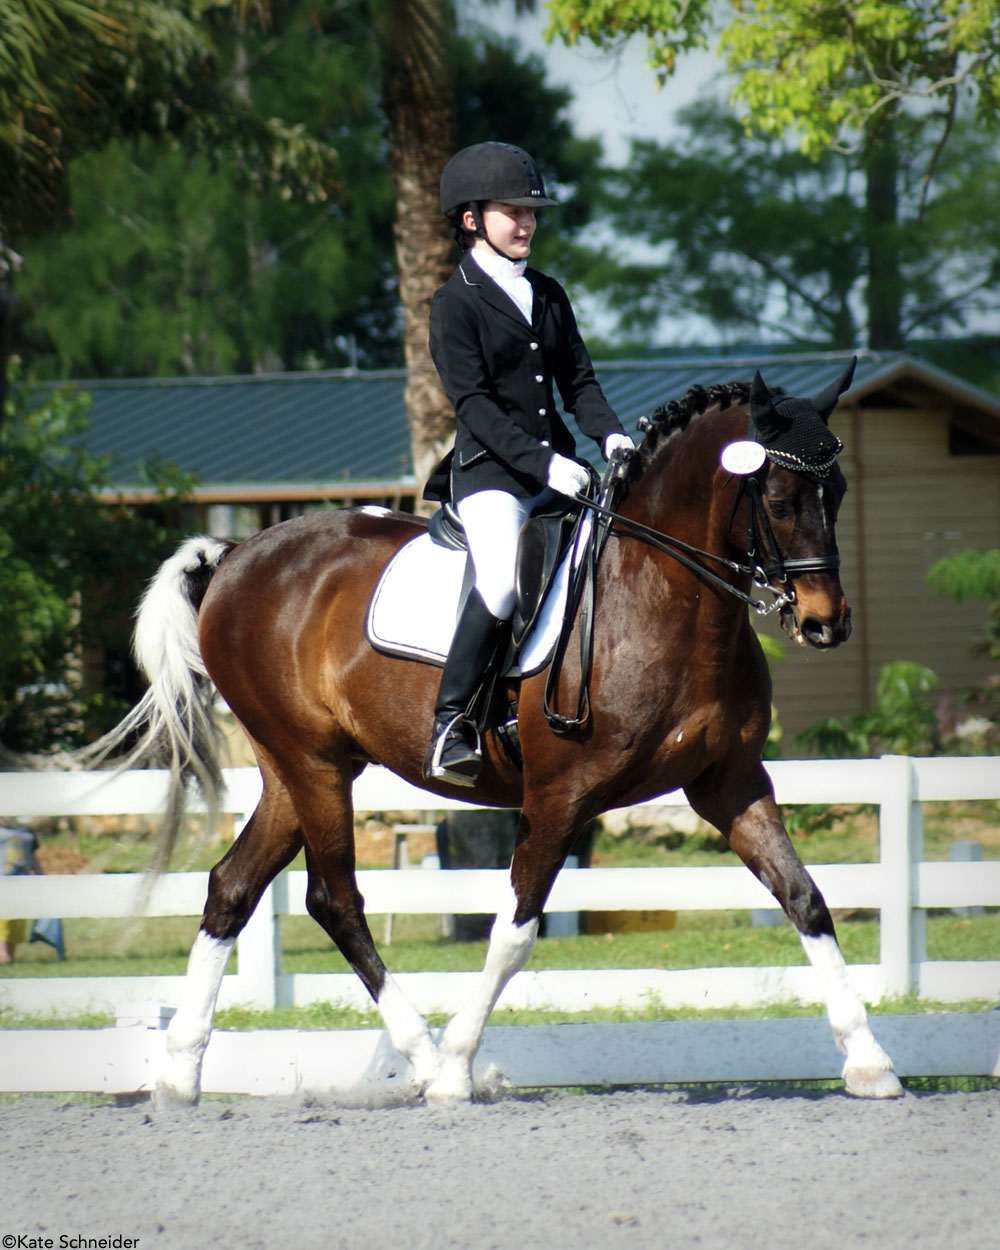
[418, 98]
[421, 80]
[76, 73]
[975, 574]
[753, 235]
[841, 76]
[830, 70]
[172, 266]
[68, 568]
[901, 722]
[189, 271]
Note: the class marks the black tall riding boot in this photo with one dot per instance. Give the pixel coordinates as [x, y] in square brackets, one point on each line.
[455, 754]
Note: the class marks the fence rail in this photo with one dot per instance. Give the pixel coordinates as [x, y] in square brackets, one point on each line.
[901, 885]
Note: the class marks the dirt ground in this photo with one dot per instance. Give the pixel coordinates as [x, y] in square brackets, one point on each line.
[639, 1170]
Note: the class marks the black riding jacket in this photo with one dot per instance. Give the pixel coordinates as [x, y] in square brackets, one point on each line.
[500, 375]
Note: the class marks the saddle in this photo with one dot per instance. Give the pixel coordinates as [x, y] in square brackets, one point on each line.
[543, 543]
[554, 582]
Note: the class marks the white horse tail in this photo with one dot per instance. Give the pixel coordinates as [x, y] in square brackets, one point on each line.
[172, 726]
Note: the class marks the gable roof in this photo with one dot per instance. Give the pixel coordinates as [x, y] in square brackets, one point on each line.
[338, 433]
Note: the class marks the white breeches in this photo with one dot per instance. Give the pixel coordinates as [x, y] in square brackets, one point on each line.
[492, 521]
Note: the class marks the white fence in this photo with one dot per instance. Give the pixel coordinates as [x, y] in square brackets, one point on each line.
[900, 885]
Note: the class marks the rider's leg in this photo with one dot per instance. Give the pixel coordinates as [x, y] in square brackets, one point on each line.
[492, 520]
[455, 754]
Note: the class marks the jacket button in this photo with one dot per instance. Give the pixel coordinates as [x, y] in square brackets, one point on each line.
[539, 377]
[542, 411]
[533, 346]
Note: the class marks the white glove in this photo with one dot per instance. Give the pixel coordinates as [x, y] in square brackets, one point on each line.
[566, 476]
[616, 442]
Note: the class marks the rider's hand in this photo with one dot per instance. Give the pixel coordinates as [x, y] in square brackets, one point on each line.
[616, 442]
[566, 476]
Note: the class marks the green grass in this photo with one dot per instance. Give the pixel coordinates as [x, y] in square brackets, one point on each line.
[822, 834]
[701, 939]
[327, 1016]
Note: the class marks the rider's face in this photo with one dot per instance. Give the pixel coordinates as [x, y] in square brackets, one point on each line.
[510, 228]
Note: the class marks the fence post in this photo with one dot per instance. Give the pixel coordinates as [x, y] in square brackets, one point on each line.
[901, 847]
[258, 949]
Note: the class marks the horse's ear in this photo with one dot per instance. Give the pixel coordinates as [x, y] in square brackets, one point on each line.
[762, 410]
[826, 401]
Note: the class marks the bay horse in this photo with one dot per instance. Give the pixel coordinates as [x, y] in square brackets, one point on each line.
[679, 697]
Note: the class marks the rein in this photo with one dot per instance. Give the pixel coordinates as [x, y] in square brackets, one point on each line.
[769, 567]
[580, 598]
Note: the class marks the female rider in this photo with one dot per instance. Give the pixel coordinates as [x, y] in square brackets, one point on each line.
[502, 337]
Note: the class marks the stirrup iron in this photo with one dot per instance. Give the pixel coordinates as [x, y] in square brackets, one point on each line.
[471, 765]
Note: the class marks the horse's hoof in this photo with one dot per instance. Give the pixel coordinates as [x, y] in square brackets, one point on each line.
[872, 1083]
[491, 1085]
[421, 1079]
[453, 1084]
[168, 1098]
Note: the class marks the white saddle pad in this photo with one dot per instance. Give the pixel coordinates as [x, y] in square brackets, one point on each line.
[414, 607]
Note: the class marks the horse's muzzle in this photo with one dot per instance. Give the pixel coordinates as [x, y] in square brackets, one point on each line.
[808, 629]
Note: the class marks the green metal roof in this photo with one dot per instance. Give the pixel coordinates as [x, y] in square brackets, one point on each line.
[325, 430]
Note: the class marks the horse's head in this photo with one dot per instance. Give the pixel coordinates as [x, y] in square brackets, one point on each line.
[781, 454]
[800, 487]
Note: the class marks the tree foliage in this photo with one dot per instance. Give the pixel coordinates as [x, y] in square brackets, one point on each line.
[831, 71]
[973, 574]
[901, 722]
[171, 266]
[61, 546]
[754, 236]
[76, 73]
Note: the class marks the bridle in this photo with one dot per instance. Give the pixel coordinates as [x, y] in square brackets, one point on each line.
[764, 563]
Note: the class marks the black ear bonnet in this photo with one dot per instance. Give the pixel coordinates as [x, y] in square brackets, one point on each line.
[794, 431]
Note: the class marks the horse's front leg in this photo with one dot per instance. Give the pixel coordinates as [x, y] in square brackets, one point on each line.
[757, 834]
[178, 1083]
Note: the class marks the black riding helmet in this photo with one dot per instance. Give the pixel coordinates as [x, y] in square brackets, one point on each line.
[489, 171]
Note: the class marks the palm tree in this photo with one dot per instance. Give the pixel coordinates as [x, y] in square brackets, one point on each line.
[417, 96]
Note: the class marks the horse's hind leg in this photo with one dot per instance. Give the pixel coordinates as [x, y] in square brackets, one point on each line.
[542, 842]
[511, 943]
[323, 801]
[267, 844]
[758, 836]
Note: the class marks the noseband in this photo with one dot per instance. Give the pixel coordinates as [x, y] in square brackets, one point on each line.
[769, 565]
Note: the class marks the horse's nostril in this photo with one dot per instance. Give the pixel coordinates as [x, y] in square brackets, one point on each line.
[825, 633]
[818, 633]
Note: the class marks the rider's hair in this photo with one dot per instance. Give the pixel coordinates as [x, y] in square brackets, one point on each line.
[464, 239]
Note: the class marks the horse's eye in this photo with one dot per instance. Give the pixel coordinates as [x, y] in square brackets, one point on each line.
[780, 509]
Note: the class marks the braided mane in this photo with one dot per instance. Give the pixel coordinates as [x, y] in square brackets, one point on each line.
[676, 414]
